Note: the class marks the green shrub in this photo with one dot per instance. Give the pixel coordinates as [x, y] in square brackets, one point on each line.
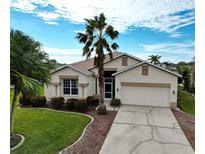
[70, 103]
[38, 101]
[25, 100]
[57, 102]
[80, 106]
[115, 102]
[91, 100]
[88, 99]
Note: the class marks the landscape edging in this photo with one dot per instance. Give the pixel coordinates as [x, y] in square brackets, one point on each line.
[19, 144]
[92, 119]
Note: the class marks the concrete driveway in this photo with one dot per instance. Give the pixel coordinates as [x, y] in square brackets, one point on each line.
[145, 130]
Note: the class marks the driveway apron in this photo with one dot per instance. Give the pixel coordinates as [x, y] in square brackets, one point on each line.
[145, 130]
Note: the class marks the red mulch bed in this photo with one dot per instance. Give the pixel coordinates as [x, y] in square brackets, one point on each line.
[14, 140]
[187, 124]
[95, 134]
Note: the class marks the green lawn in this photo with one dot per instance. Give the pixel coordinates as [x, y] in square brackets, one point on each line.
[186, 101]
[47, 132]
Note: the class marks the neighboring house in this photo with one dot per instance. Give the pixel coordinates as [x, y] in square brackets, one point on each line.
[133, 80]
[169, 66]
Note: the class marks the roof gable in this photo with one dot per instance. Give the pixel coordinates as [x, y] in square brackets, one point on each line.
[122, 54]
[84, 65]
[85, 72]
[145, 62]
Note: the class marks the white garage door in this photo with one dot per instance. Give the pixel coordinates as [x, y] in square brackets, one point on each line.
[146, 96]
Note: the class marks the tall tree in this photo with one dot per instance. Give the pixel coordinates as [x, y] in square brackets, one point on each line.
[154, 59]
[185, 71]
[97, 37]
[29, 66]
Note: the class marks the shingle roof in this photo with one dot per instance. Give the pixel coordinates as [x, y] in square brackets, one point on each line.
[145, 62]
[84, 65]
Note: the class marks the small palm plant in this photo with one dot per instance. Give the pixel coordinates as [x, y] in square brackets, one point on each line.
[155, 59]
[96, 38]
[29, 66]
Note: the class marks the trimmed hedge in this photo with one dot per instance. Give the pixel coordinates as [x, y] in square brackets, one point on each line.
[70, 103]
[91, 100]
[80, 106]
[25, 100]
[38, 101]
[57, 102]
[115, 102]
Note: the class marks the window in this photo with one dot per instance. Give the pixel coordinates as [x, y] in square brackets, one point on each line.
[145, 69]
[70, 86]
[124, 61]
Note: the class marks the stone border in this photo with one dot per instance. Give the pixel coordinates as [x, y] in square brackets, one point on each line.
[20, 143]
[92, 119]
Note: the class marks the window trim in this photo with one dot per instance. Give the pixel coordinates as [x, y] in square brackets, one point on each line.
[71, 87]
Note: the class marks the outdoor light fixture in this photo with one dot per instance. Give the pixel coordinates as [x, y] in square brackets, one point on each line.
[173, 91]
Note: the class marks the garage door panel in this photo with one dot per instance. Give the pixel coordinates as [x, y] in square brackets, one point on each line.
[147, 96]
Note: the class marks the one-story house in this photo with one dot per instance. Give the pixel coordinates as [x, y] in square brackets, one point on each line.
[133, 80]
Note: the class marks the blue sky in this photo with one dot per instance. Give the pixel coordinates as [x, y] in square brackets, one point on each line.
[147, 27]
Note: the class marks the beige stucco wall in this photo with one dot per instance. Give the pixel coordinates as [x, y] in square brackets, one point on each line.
[155, 76]
[115, 65]
[57, 77]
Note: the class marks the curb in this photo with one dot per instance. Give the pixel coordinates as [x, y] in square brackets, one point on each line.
[92, 119]
[19, 144]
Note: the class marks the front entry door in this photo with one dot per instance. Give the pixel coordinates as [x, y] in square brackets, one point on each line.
[108, 88]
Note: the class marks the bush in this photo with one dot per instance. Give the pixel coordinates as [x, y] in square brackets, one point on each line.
[70, 103]
[25, 100]
[192, 88]
[91, 100]
[115, 102]
[57, 102]
[38, 101]
[80, 106]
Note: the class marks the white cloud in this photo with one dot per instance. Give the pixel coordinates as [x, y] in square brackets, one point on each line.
[51, 23]
[64, 55]
[48, 15]
[170, 51]
[175, 35]
[24, 6]
[162, 16]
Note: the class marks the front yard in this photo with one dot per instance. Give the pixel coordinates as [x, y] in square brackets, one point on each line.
[47, 131]
[186, 101]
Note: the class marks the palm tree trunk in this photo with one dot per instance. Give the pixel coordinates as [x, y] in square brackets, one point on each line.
[102, 107]
[16, 92]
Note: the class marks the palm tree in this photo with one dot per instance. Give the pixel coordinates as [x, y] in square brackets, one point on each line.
[29, 66]
[97, 38]
[154, 59]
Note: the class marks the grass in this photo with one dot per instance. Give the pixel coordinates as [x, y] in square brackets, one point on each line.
[186, 101]
[47, 131]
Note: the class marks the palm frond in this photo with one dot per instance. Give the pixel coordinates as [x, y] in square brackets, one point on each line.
[25, 83]
[81, 37]
[115, 46]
